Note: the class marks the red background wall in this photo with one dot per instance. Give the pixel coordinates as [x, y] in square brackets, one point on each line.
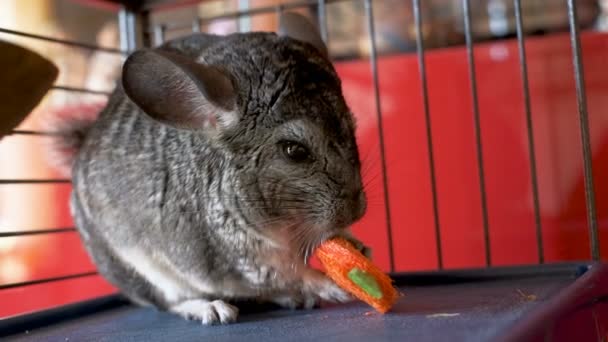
[512, 231]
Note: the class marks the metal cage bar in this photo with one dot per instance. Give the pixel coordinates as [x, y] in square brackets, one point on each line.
[581, 98]
[322, 9]
[33, 181]
[251, 12]
[81, 90]
[36, 232]
[523, 63]
[278, 9]
[420, 49]
[62, 41]
[477, 121]
[369, 13]
[196, 25]
[32, 132]
[47, 280]
[243, 24]
[159, 34]
[127, 30]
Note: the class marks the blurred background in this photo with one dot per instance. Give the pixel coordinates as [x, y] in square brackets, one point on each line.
[405, 241]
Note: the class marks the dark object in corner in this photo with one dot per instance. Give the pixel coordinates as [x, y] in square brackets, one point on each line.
[24, 80]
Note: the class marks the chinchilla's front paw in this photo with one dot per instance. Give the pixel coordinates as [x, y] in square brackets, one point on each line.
[331, 292]
[297, 301]
[207, 312]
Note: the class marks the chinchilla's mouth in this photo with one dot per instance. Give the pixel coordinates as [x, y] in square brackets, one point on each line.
[313, 245]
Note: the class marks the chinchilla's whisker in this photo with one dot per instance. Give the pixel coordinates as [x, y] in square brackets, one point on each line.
[301, 237]
[369, 166]
[371, 176]
[369, 150]
[283, 218]
[289, 226]
[376, 180]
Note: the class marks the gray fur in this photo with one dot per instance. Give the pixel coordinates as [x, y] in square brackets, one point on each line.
[220, 211]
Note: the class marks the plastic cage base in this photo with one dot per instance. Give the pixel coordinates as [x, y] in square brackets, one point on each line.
[558, 302]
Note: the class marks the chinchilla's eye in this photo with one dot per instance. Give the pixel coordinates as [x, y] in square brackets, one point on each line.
[295, 151]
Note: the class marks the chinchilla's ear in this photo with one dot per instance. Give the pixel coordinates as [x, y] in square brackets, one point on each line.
[178, 91]
[299, 27]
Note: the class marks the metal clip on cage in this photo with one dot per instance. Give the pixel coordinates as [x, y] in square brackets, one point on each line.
[543, 301]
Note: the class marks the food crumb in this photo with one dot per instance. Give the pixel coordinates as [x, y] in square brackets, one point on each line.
[443, 314]
[526, 297]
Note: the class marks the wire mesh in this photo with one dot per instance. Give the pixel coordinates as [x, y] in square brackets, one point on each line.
[61, 41]
[36, 232]
[47, 280]
[477, 121]
[369, 14]
[523, 62]
[132, 27]
[429, 130]
[581, 97]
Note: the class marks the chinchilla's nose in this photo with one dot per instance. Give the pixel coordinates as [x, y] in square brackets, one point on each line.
[359, 205]
[354, 205]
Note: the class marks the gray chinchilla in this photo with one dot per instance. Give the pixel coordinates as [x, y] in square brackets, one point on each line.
[217, 167]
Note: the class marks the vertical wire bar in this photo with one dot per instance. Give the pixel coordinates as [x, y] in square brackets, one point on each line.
[196, 25]
[523, 63]
[374, 66]
[133, 30]
[322, 9]
[473, 80]
[429, 130]
[159, 34]
[126, 30]
[244, 22]
[279, 11]
[581, 98]
[123, 33]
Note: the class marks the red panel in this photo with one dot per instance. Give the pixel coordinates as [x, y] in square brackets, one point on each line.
[505, 154]
[45, 296]
[43, 256]
[506, 161]
[373, 227]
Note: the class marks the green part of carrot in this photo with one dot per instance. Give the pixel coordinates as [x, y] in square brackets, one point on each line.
[366, 282]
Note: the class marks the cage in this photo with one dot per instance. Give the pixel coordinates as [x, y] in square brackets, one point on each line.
[483, 133]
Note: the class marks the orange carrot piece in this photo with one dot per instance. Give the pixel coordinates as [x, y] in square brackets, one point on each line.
[355, 273]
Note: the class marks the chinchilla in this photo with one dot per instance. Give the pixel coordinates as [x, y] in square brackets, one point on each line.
[216, 168]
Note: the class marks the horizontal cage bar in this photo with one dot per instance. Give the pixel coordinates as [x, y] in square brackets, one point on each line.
[82, 90]
[36, 232]
[244, 13]
[62, 41]
[47, 280]
[33, 181]
[32, 132]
